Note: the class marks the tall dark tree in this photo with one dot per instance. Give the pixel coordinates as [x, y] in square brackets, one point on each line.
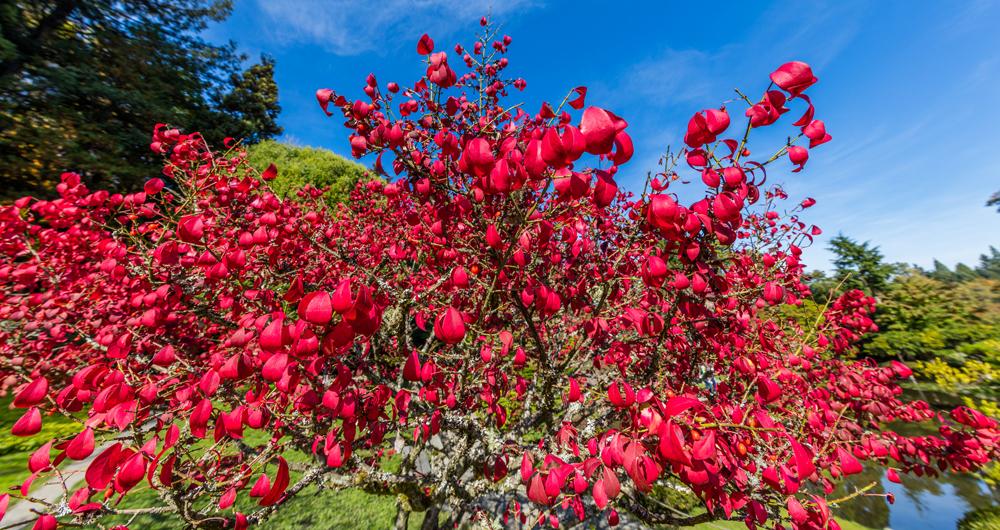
[942, 273]
[965, 273]
[83, 82]
[989, 264]
[859, 265]
[252, 103]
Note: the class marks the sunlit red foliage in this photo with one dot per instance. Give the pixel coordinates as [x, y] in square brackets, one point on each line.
[498, 318]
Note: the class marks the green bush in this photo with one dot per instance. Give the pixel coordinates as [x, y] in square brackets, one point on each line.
[298, 166]
[982, 519]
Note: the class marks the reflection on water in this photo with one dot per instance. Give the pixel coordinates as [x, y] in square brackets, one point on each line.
[936, 502]
[921, 502]
[929, 503]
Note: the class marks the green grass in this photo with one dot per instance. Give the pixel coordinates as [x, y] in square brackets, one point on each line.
[15, 450]
[312, 508]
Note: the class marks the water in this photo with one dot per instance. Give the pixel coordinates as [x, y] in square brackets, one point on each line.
[926, 503]
[936, 503]
[931, 503]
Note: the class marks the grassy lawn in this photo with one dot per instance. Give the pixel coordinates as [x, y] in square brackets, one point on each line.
[312, 508]
[14, 450]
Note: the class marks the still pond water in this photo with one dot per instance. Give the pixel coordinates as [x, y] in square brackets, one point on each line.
[923, 503]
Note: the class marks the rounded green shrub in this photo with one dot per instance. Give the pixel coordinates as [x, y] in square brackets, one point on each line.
[298, 166]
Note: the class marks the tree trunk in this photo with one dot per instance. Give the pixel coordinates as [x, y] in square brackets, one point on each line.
[402, 516]
[431, 518]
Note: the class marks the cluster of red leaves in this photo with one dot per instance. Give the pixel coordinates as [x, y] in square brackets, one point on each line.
[501, 294]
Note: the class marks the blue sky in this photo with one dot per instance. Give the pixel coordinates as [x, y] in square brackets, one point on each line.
[908, 89]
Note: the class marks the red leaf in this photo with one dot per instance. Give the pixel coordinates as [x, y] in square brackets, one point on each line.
[598, 129]
[600, 494]
[803, 459]
[449, 326]
[796, 511]
[272, 335]
[536, 490]
[102, 468]
[679, 404]
[411, 370]
[323, 96]
[425, 45]
[577, 102]
[611, 484]
[848, 464]
[40, 458]
[28, 424]
[616, 397]
[278, 486]
[672, 443]
[343, 299]
[261, 487]
[526, 467]
[274, 367]
[131, 472]
[82, 445]
[45, 522]
[794, 77]
[270, 173]
[704, 448]
[199, 418]
[227, 499]
[32, 394]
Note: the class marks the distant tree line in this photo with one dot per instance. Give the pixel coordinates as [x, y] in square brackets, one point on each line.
[946, 321]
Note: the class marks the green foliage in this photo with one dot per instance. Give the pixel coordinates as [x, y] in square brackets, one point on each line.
[982, 519]
[83, 82]
[922, 318]
[989, 264]
[298, 166]
[949, 327]
[946, 321]
[253, 103]
[941, 272]
[823, 286]
[859, 265]
[805, 315]
[988, 267]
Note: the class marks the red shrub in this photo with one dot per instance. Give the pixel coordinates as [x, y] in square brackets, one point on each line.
[500, 303]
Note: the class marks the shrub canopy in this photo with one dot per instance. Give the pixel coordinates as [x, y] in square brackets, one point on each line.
[498, 332]
[301, 166]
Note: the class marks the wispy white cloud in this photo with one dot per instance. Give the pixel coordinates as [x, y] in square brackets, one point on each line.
[351, 27]
[672, 82]
[817, 32]
[675, 76]
[679, 76]
[968, 16]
